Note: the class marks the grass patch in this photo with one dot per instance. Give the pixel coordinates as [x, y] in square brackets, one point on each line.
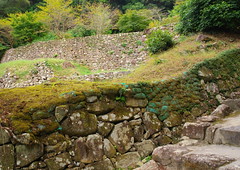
[179, 59]
[22, 68]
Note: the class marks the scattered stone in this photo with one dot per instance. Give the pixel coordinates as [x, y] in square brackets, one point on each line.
[7, 161]
[145, 148]
[128, 160]
[59, 162]
[203, 38]
[205, 73]
[122, 137]
[151, 123]
[80, 124]
[25, 154]
[109, 149]
[61, 112]
[90, 149]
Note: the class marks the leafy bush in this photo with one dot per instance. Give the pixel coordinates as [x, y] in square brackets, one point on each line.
[209, 15]
[159, 41]
[133, 21]
[26, 28]
[81, 31]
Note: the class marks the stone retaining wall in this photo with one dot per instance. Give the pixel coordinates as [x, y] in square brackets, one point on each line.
[115, 127]
[100, 52]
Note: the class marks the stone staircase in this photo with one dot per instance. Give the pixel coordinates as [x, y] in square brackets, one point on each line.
[211, 143]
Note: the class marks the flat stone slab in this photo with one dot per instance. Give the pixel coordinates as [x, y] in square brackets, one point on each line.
[197, 157]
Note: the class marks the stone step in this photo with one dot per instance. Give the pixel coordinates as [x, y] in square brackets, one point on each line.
[206, 157]
[226, 131]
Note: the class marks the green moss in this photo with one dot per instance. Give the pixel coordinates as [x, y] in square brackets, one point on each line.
[44, 126]
[21, 126]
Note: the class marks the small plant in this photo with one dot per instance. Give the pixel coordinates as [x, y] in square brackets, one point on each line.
[159, 41]
[111, 52]
[130, 52]
[139, 42]
[159, 61]
[124, 44]
[121, 99]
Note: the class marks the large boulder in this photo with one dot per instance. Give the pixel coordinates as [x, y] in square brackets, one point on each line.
[25, 154]
[7, 157]
[59, 162]
[122, 137]
[80, 124]
[90, 149]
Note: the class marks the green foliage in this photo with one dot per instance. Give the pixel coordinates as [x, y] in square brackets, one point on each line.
[81, 31]
[159, 41]
[12, 6]
[134, 6]
[48, 36]
[26, 28]
[209, 15]
[133, 21]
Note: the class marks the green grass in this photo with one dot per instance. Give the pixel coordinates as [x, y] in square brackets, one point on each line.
[22, 68]
[182, 57]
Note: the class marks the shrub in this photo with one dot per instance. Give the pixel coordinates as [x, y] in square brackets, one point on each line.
[26, 28]
[81, 31]
[209, 15]
[159, 41]
[133, 21]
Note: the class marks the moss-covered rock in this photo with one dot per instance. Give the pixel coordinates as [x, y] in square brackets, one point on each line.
[90, 149]
[25, 154]
[100, 107]
[59, 162]
[104, 128]
[40, 115]
[7, 157]
[151, 123]
[80, 124]
[61, 111]
[173, 120]
[120, 113]
[121, 137]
